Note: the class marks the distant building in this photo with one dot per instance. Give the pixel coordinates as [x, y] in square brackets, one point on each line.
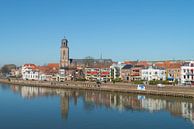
[83, 63]
[93, 74]
[116, 70]
[16, 72]
[173, 69]
[126, 73]
[64, 54]
[131, 71]
[73, 69]
[187, 73]
[48, 72]
[153, 73]
[31, 75]
[28, 66]
[136, 72]
[50, 69]
[30, 72]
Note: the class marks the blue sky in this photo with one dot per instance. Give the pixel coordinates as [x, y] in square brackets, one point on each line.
[31, 30]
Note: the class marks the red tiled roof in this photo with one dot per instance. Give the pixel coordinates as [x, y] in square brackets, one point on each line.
[168, 65]
[29, 65]
[143, 63]
[56, 65]
[32, 66]
[49, 69]
[130, 62]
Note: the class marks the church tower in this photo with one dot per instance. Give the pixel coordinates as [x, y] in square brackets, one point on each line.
[64, 58]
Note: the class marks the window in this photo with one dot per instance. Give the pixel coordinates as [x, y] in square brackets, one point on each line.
[127, 78]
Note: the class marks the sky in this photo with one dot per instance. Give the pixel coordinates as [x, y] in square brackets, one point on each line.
[31, 30]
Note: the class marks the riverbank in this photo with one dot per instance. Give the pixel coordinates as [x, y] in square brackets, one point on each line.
[176, 91]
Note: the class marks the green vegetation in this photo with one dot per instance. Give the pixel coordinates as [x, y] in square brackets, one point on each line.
[155, 82]
[176, 81]
[80, 79]
[116, 80]
[138, 82]
[166, 82]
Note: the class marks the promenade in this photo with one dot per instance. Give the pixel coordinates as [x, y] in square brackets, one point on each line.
[176, 91]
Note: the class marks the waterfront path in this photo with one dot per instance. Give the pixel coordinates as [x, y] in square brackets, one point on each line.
[177, 91]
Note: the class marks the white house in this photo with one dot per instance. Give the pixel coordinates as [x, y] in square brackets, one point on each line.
[153, 73]
[30, 75]
[29, 72]
[187, 73]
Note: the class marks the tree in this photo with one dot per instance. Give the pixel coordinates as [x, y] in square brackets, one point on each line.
[6, 69]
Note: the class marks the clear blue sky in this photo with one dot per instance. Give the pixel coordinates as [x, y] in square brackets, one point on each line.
[31, 30]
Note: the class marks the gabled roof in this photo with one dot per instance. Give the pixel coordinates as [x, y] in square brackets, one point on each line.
[168, 64]
[128, 66]
[52, 65]
[154, 67]
[31, 66]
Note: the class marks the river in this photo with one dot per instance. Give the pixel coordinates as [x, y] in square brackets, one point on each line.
[24, 107]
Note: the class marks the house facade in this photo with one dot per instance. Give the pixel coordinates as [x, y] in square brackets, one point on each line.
[153, 73]
[136, 73]
[187, 73]
[116, 70]
[126, 73]
[30, 72]
[93, 74]
[30, 75]
[173, 69]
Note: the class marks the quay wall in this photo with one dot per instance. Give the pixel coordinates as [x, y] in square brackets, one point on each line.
[177, 91]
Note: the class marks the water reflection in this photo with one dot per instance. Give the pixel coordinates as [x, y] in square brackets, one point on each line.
[178, 107]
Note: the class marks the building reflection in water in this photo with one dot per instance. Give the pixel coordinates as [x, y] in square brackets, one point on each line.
[64, 106]
[122, 102]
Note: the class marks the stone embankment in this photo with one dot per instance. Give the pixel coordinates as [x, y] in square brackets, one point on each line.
[177, 91]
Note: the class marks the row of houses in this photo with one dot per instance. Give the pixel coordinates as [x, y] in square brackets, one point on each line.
[139, 71]
[179, 71]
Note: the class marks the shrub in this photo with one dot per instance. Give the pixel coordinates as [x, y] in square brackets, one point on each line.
[80, 79]
[138, 82]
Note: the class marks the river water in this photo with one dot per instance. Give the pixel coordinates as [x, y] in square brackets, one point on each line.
[43, 108]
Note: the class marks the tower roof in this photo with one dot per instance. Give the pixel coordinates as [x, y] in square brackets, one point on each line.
[64, 42]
